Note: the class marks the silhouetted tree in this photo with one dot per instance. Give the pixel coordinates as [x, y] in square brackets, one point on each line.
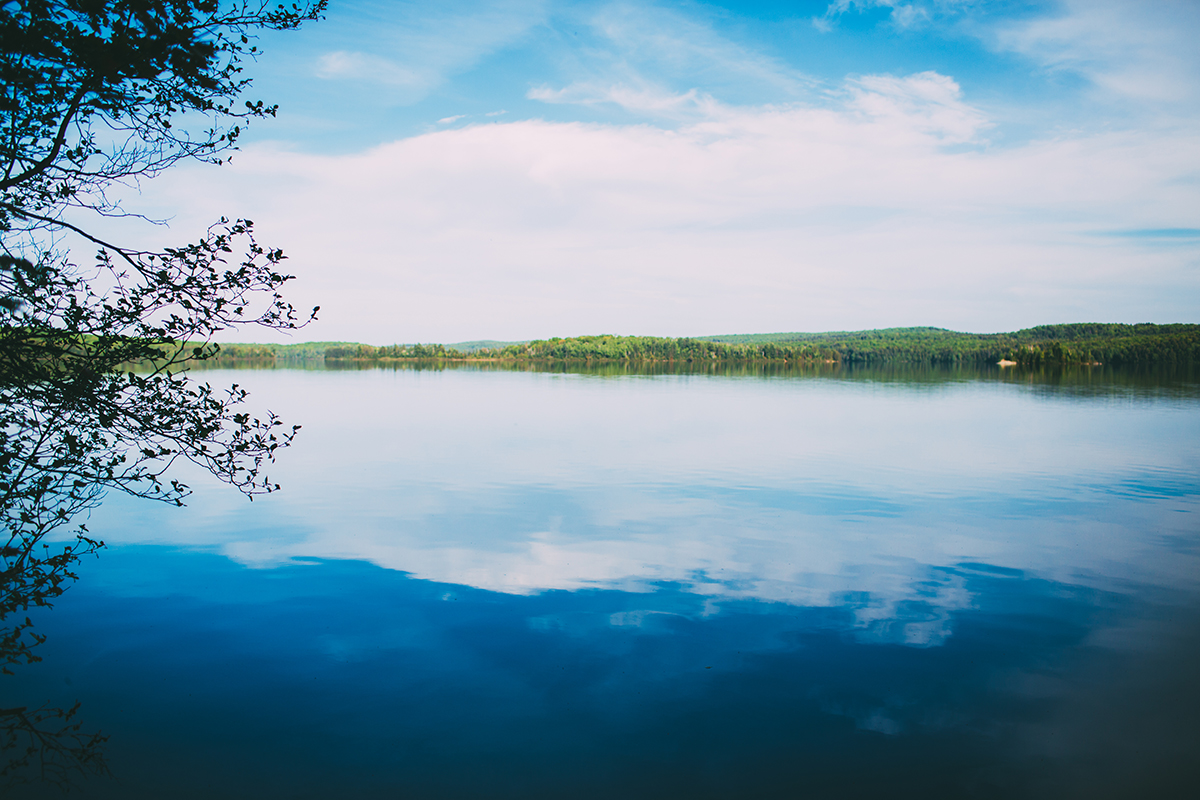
[95, 93]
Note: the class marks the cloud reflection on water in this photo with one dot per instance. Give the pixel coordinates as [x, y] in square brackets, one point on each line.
[815, 493]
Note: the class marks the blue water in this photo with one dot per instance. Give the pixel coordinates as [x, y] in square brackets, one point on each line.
[523, 584]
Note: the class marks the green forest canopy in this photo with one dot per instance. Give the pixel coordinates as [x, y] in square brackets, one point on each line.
[1076, 343]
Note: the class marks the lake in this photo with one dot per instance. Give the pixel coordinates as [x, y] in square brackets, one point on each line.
[490, 583]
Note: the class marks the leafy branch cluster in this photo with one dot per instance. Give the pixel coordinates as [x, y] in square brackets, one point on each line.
[92, 90]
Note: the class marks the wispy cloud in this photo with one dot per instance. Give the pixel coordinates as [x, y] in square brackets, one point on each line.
[341, 64]
[661, 61]
[928, 103]
[1141, 51]
[670, 44]
[417, 46]
[668, 65]
[652, 100]
[1172, 234]
[902, 13]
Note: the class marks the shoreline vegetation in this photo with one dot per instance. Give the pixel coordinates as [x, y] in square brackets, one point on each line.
[1042, 346]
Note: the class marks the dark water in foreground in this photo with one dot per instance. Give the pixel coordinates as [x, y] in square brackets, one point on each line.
[482, 583]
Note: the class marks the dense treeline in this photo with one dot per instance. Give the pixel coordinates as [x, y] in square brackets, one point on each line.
[216, 355]
[209, 355]
[306, 351]
[366, 352]
[1153, 344]
[1045, 345]
[652, 348]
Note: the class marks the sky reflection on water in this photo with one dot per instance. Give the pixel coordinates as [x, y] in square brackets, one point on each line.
[486, 584]
[782, 490]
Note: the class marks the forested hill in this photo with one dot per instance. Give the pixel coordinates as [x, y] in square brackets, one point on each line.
[1078, 343]
[1082, 342]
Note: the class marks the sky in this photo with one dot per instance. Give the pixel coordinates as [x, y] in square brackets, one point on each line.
[517, 169]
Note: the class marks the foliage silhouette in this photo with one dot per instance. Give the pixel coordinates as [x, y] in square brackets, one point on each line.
[96, 94]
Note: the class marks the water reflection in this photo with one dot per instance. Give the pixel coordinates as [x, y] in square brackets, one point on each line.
[41, 489]
[788, 490]
[1153, 380]
[336, 677]
[483, 582]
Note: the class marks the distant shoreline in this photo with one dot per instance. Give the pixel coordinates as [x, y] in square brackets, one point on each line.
[1076, 344]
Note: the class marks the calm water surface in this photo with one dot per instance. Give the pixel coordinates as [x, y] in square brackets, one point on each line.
[486, 583]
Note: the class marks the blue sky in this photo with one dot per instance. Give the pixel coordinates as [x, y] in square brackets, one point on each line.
[529, 168]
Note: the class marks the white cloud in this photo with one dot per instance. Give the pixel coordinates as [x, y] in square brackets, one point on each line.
[926, 102]
[885, 211]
